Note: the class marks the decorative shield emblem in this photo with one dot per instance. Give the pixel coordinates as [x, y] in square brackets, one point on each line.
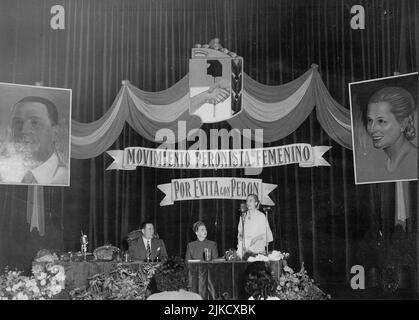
[215, 82]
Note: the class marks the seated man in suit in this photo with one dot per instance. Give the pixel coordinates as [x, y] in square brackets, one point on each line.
[195, 249]
[143, 244]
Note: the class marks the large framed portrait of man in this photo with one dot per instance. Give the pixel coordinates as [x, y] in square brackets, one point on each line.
[35, 131]
[384, 114]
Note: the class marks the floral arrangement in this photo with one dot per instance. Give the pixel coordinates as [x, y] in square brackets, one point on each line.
[273, 256]
[389, 267]
[260, 283]
[298, 286]
[278, 255]
[46, 282]
[122, 283]
[231, 255]
[172, 275]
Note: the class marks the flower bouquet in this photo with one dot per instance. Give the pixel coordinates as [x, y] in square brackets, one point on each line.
[298, 286]
[231, 255]
[122, 283]
[278, 255]
[45, 283]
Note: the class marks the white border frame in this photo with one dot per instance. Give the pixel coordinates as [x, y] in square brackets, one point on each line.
[69, 134]
[352, 124]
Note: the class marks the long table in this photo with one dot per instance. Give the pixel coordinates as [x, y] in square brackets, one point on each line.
[222, 279]
[77, 273]
[211, 280]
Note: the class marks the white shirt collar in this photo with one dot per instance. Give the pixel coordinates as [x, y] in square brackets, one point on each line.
[46, 171]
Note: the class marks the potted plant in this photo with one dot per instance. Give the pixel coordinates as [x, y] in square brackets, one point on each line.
[400, 261]
[371, 255]
[172, 275]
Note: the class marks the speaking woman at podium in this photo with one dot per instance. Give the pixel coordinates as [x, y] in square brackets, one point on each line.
[254, 232]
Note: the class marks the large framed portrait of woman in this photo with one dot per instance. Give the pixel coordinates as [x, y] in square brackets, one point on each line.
[384, 115]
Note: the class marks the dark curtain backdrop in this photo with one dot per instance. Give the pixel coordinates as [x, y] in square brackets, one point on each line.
[320, 215]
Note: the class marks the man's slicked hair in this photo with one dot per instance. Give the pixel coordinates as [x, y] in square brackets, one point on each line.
[51, 107]
[145, 223]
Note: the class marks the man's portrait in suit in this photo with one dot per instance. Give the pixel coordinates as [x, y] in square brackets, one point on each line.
[34, 147]
[144, 244]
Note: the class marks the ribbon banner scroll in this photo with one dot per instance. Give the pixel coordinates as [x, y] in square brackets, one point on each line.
[302, 153]
[215, 188]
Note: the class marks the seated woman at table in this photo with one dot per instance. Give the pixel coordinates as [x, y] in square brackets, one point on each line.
[254, 229]
[195, 249]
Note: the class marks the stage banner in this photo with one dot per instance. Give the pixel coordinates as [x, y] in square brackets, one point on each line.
[302, 153]
[215, 188]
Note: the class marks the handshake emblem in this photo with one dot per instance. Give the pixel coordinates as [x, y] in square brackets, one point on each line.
[215, 82]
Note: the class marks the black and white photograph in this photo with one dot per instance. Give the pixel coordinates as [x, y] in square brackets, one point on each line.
[35, 138]
[384, 125]
[227, 151]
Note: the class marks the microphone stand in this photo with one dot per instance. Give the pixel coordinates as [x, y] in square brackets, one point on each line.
[266, 232]
[243, 216]
[266, 210]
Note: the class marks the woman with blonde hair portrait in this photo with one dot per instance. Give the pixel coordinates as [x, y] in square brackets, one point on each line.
[389, 120]
[384, 127]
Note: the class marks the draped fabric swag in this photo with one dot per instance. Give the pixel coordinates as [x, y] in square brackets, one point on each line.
[278, 110]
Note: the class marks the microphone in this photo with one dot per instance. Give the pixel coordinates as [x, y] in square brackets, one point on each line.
[266, 210]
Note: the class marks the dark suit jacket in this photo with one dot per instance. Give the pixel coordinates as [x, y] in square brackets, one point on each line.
[138, 251]
[195, 249]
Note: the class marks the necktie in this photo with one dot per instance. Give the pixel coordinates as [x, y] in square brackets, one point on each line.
[148, 248]
[29, 178]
